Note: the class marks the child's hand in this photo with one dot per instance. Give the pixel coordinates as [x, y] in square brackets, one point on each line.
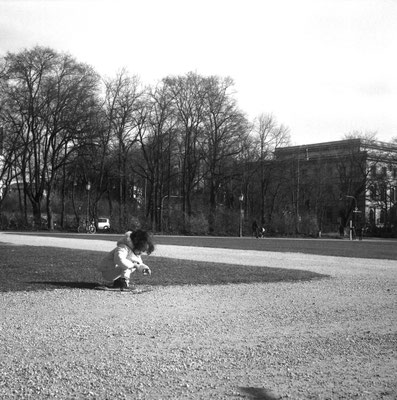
[144, 269]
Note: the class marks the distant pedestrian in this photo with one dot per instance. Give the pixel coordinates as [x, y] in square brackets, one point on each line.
[360, 232]
[122, 261]
[255, 229]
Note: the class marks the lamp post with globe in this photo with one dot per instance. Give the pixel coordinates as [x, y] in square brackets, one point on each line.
[241, 199]
[88, 188]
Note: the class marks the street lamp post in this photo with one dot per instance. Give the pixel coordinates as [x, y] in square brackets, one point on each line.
[88, 188]
[353, 220]
[167, 196]
[241, 199]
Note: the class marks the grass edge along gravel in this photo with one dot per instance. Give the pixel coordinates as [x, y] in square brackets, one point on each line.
[31, 268]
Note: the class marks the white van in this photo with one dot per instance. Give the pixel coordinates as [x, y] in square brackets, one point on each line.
[103, 224]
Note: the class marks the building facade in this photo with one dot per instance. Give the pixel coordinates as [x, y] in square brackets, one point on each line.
[335, 184]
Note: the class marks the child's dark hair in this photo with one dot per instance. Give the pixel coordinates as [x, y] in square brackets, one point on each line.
[142, 241]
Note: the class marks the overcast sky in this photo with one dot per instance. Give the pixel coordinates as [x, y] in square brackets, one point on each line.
[323, 68]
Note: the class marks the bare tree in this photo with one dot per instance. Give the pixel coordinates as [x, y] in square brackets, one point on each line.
[159, 150]
[188, 100]
[268, 135]
[224, 129]
[48, 96]
[368, 136]
[9, 151]
[123, 94]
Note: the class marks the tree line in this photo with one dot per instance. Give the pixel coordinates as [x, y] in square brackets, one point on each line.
[169, 157]
[179, 156]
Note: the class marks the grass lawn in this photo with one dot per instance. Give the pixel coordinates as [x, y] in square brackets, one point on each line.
[31, 268]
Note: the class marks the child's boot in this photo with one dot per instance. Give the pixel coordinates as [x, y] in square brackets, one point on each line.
[120, 283]
[123, 284]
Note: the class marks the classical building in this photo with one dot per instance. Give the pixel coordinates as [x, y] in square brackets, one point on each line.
[330, 184]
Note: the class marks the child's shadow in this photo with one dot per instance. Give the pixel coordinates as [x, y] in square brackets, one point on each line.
[72, 285]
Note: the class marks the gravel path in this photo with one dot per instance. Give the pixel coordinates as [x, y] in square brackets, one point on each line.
[327, 339]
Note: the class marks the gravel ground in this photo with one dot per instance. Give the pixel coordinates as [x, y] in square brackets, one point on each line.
[333, 338]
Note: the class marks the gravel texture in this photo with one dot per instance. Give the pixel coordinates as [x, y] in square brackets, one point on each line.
[334, 338]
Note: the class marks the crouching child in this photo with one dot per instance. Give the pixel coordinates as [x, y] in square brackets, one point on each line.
[125, 259]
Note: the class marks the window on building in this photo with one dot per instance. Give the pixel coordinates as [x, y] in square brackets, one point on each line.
[393, 194]
[372, 192]
[382, 218]
[372, 215]
[383, 193]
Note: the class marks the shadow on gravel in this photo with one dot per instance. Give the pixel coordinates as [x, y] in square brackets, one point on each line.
[71, 285]
[258, 393]
[29, 268]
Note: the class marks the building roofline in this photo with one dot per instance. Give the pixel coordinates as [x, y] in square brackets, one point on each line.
[376, 144]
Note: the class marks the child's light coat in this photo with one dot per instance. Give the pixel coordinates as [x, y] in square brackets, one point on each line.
[121, 261]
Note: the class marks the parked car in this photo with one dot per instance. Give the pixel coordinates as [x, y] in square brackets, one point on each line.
[103, 224]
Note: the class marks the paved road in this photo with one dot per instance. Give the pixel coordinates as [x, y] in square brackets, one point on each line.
[334, 266]
[383, 249]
